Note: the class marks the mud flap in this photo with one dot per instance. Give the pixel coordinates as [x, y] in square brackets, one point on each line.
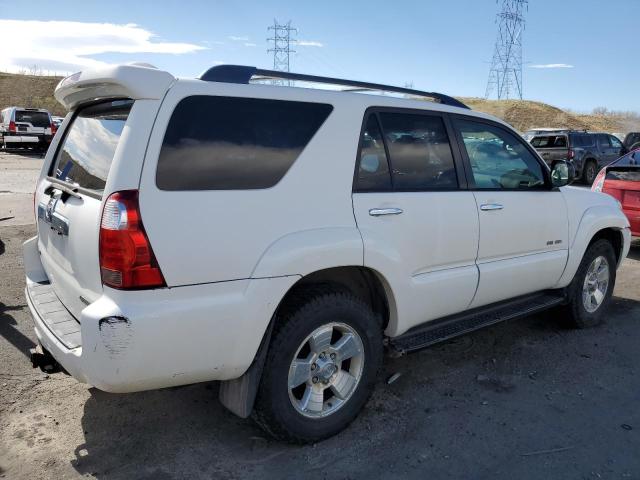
[239, 395]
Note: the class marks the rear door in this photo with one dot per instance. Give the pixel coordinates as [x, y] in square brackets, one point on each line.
[523, 221]
[418, 223]
[607, 152]
[69, 200]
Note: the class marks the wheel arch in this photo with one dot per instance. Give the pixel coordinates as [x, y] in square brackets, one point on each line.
[597, 222]
[238, 395]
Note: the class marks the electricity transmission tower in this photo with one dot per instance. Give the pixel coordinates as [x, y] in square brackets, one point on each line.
[505, 76]
[281, 47]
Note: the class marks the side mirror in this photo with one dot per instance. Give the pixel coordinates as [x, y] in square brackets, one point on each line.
[562, 174]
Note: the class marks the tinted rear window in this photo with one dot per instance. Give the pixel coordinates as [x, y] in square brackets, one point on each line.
[227, 143]
[36, 119]
[549, 141]
[90, 142]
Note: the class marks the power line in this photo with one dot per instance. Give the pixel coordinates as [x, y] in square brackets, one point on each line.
[281, 47]
[505, 76]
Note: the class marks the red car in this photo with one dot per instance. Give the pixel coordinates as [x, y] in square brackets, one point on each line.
[621, 180]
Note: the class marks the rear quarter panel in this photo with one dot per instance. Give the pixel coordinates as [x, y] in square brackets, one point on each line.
[219, 235]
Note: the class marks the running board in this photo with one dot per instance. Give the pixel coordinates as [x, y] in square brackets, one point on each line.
[452, 326]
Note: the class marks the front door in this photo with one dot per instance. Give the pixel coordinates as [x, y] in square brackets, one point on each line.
[419, 229]
[523, 221]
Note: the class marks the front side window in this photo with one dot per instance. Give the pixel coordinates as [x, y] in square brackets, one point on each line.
[615, 143]
[419, 150]
[373, 167]
[232, 143]
[85, 156]
[499, 160]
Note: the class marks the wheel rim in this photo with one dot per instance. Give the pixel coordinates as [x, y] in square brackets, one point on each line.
[591, 173]
[326, 370]
[596, 283]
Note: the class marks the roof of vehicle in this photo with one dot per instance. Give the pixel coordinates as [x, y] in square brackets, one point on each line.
[28, 109]
[143, 81]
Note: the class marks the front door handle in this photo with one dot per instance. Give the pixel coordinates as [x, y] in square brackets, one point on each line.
[491, 206]
[377, 212]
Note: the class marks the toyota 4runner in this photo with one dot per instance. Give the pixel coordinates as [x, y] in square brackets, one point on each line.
[279, 239]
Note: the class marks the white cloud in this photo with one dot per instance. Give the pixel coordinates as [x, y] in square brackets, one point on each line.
[250, 44]
[310, 43]
[65, 46]
[551, 65]
[238, 39]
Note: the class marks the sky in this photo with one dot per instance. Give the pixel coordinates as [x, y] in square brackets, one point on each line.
[577, 53]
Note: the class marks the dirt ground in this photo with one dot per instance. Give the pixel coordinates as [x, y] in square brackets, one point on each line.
[526, 399]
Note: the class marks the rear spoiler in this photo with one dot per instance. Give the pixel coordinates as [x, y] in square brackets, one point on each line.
[118, 81]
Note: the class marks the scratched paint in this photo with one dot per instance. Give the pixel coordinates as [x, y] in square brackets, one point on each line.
[116, 334]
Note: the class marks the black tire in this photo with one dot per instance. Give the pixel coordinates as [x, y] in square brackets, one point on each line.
[305, 311]
[589, 172]
[575, 314]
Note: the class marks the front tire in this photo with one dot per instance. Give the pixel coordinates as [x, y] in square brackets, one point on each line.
[321, 366]
[590, 291]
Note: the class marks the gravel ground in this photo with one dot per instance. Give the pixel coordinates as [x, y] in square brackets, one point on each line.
[525, 399]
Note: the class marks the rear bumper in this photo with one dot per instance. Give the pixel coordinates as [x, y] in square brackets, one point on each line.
[132, 341]
[26, 139]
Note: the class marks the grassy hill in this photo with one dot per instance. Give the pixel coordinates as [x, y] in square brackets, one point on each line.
[37, 91]
[526, 114]
[29, 91]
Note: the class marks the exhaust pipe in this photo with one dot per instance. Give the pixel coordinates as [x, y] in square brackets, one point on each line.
[42, 359]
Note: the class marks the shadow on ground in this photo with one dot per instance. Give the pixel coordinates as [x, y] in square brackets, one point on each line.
[8, 329]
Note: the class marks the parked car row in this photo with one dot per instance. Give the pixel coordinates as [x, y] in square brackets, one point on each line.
[587, 151]
[31, 128]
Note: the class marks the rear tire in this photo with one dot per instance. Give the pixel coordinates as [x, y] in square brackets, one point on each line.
[321, 366]
[589, 172]
[590, 290]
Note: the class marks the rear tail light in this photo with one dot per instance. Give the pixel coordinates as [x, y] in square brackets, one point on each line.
[54, 129]
[126, 259]
[571, 154]
[598, 183]
[12, 126]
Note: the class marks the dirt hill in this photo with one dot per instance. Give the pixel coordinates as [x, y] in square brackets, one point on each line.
[29, 91]
[37, 91]
[526, 114]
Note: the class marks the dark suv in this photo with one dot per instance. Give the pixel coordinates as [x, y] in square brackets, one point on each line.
[588, 151]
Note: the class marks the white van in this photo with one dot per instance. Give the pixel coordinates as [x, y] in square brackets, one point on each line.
[278, 239]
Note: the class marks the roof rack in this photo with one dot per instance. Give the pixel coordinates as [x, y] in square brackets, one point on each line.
[243, 74]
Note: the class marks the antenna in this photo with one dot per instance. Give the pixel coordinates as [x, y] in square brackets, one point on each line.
[281, 48]
[505, 76]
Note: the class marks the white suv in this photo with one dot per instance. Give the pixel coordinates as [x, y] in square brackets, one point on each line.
[26, 127]
[277, 238]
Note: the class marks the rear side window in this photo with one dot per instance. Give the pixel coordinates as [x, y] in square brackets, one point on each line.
[229, 143]
[419, 150]
[373, 167]
[90, 142]
[36, 119]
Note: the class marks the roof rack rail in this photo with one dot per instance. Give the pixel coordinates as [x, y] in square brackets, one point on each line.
[243, 74]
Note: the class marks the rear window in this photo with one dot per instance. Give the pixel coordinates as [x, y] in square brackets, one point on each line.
[36, 119]
[229, 143]
[549, 141]
[90, 142]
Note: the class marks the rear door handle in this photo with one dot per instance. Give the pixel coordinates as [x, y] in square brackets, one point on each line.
[490, 206]
[377, 212]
